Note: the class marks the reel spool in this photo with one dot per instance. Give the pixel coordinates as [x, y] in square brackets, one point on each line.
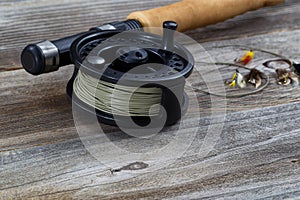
[141, 67]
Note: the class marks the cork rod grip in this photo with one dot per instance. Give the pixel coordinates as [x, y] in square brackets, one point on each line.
[191, 14]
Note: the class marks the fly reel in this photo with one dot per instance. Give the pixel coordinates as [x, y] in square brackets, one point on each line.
[130, 76]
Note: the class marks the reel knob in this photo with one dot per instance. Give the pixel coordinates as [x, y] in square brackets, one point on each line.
[168, 35]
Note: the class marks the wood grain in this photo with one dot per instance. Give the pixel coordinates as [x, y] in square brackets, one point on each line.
[273, 19]
[256, 155]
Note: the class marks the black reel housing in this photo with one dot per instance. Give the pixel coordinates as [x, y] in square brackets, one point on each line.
[134, 58]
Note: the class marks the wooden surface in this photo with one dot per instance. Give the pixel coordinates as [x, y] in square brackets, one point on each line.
[256, 156]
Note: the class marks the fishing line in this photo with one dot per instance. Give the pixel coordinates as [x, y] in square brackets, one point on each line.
[245, 47]
[101, 94]
[266, 77]
[295, 66]
[239, 95]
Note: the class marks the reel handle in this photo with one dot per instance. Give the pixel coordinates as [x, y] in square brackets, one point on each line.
[48, 56]
[192, 14]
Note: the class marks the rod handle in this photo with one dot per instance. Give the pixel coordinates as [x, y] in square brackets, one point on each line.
[192, 14]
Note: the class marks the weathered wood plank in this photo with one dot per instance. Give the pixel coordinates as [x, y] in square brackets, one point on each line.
[269, 159]
[257, 154]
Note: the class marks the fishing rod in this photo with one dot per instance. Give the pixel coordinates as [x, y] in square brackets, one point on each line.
[95, 84]
[48, 56]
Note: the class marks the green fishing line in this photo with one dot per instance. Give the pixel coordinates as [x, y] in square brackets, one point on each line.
[113, 98]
